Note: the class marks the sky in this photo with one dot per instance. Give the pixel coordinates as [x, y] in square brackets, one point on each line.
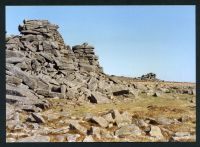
[129, 40]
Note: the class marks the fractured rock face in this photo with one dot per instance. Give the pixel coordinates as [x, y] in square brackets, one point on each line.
[87, 60]
[41, 60]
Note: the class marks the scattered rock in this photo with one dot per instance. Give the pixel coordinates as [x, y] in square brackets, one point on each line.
[108, 117]
[38, 118]
[72, 137]
[121, 92]
[38, 138]
[184, 118]
[60, 138]
[100, 121]
[187, 138]
[10, 140]
[121, 119]
[128, 130]
[164, 121]
[75, 125]
[181, 134]
[156, 132]
[98, 98]
[88, 139]
[95, 131]
[142, 123]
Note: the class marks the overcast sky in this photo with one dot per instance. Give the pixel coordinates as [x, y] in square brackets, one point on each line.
[129, 40]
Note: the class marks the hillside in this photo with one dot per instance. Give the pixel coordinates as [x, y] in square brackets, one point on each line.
[59, 93]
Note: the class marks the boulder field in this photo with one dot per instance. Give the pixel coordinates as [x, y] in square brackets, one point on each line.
[49, 82]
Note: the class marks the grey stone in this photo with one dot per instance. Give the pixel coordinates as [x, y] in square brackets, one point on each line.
[86, 67]
[38, 118]
[191, 138]
[10, 54]
[9, 73]
[38, 138]
[142, 123]
[126, 119]
[121, 119]
[156, 132]
[88, 139]
[60, 138]
[29, 37]
[9, 111]
[68, 66]
[23, 65]
[11, 99]
[42, 85]
[96, 131]
[194, 91]
[47, 45]
[128, 130]
[54, 45]
[108, 117]
[97, 97]
[10, 140]
[27, 79]
[72, 137]
[30, 47]
[141, 86]
[13, 40]
[47, 56]
[29, 32]
[75, 125]
[92, 84]
[40, 58]
[164, 121]
[18, 91]
[181, 134]
[106, 134]
[165, 90]
[184, 118]
[13, 80]
[11, 124]
[121, 92]
[30, 108]
[100, 121]
[71, 93]
[14, 60]
[63, 89]
[48, 94]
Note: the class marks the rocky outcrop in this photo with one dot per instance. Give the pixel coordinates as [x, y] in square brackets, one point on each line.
[41, 67]
[149, 77]
[39, 61]
[87, 60]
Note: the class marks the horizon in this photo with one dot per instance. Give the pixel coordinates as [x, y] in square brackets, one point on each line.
[172, 44]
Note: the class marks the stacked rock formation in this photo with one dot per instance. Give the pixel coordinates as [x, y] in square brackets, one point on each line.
[87, 60]
[39, 64]
[149, 77]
